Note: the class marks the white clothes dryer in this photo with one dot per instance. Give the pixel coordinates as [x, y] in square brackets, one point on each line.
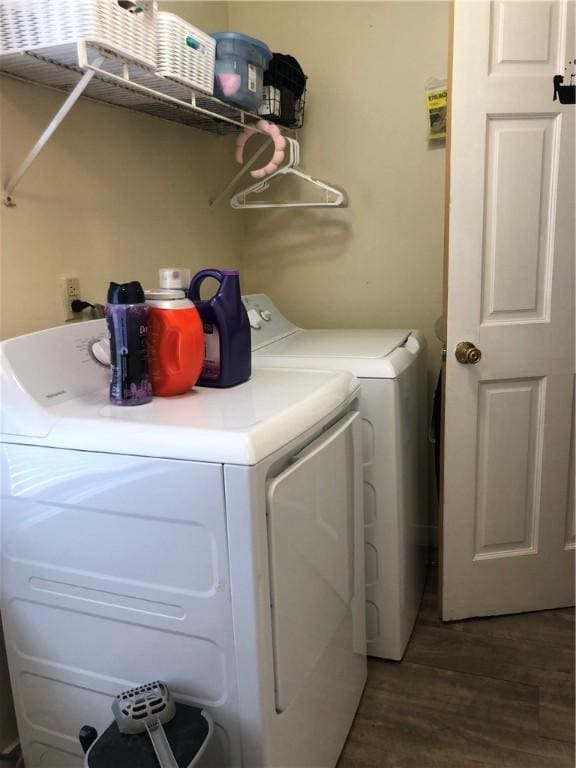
[391, 367]
[212, 540]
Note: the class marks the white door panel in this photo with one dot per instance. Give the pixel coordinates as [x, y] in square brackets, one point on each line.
[527, 37]
[508, 471]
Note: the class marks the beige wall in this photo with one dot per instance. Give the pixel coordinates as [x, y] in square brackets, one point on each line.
[378, 263]
[114, 195]
[210, 15]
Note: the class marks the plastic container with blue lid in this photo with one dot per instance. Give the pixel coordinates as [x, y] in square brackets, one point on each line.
[240, 64]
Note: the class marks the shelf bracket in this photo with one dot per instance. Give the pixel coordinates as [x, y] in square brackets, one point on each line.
[245, 168]
[73, 97]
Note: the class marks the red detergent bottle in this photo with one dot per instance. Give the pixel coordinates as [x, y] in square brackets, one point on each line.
[227, 346]
[175, 342]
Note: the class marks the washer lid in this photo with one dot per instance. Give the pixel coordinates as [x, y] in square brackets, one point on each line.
[55, 394]
[359, 343]
[377, 354]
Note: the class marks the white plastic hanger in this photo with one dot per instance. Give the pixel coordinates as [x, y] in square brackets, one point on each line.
[334, 198]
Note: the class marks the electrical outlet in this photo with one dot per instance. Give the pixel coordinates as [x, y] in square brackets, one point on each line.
[70, 292]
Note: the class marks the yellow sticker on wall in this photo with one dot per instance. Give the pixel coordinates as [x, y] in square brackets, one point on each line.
[437, 105]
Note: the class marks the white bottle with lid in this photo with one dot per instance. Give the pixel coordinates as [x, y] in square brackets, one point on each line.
[175, 278]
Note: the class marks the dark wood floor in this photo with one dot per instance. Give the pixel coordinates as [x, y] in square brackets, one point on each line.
[495, 692]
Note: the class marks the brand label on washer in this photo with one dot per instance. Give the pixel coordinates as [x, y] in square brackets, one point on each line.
[252, 78]
[211, 369]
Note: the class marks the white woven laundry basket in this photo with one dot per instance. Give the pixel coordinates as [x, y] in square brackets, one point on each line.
[124, 27]
[184, 53]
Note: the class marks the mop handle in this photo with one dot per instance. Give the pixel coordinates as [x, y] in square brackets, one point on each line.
[161, 744]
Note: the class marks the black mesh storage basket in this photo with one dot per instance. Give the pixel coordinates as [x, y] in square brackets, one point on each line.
[284, 92]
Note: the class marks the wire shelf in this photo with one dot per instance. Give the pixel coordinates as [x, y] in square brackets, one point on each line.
[125, 84]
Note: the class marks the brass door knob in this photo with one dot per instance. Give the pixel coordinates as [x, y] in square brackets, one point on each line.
[467, 353]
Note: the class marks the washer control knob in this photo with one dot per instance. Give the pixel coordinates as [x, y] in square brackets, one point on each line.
[100, 351]
[265, 314]
[255, 321]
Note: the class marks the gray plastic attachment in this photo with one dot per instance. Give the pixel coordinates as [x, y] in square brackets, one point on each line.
[145, 708]
[132, 709]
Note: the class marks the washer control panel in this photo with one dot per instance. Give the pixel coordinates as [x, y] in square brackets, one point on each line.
[267, 323]
[57, 364]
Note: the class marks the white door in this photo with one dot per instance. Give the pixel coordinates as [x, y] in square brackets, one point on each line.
[508, 513]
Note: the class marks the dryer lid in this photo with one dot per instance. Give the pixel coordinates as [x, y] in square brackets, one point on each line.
[355, 344]
[55, 394]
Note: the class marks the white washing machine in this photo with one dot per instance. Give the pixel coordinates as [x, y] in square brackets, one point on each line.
[212, 540]
[391, 367]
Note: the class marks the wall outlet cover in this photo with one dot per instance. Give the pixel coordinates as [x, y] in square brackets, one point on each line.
[70, 292]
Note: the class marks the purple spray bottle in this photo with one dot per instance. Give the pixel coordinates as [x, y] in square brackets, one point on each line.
[127, 318]
[228, 353]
